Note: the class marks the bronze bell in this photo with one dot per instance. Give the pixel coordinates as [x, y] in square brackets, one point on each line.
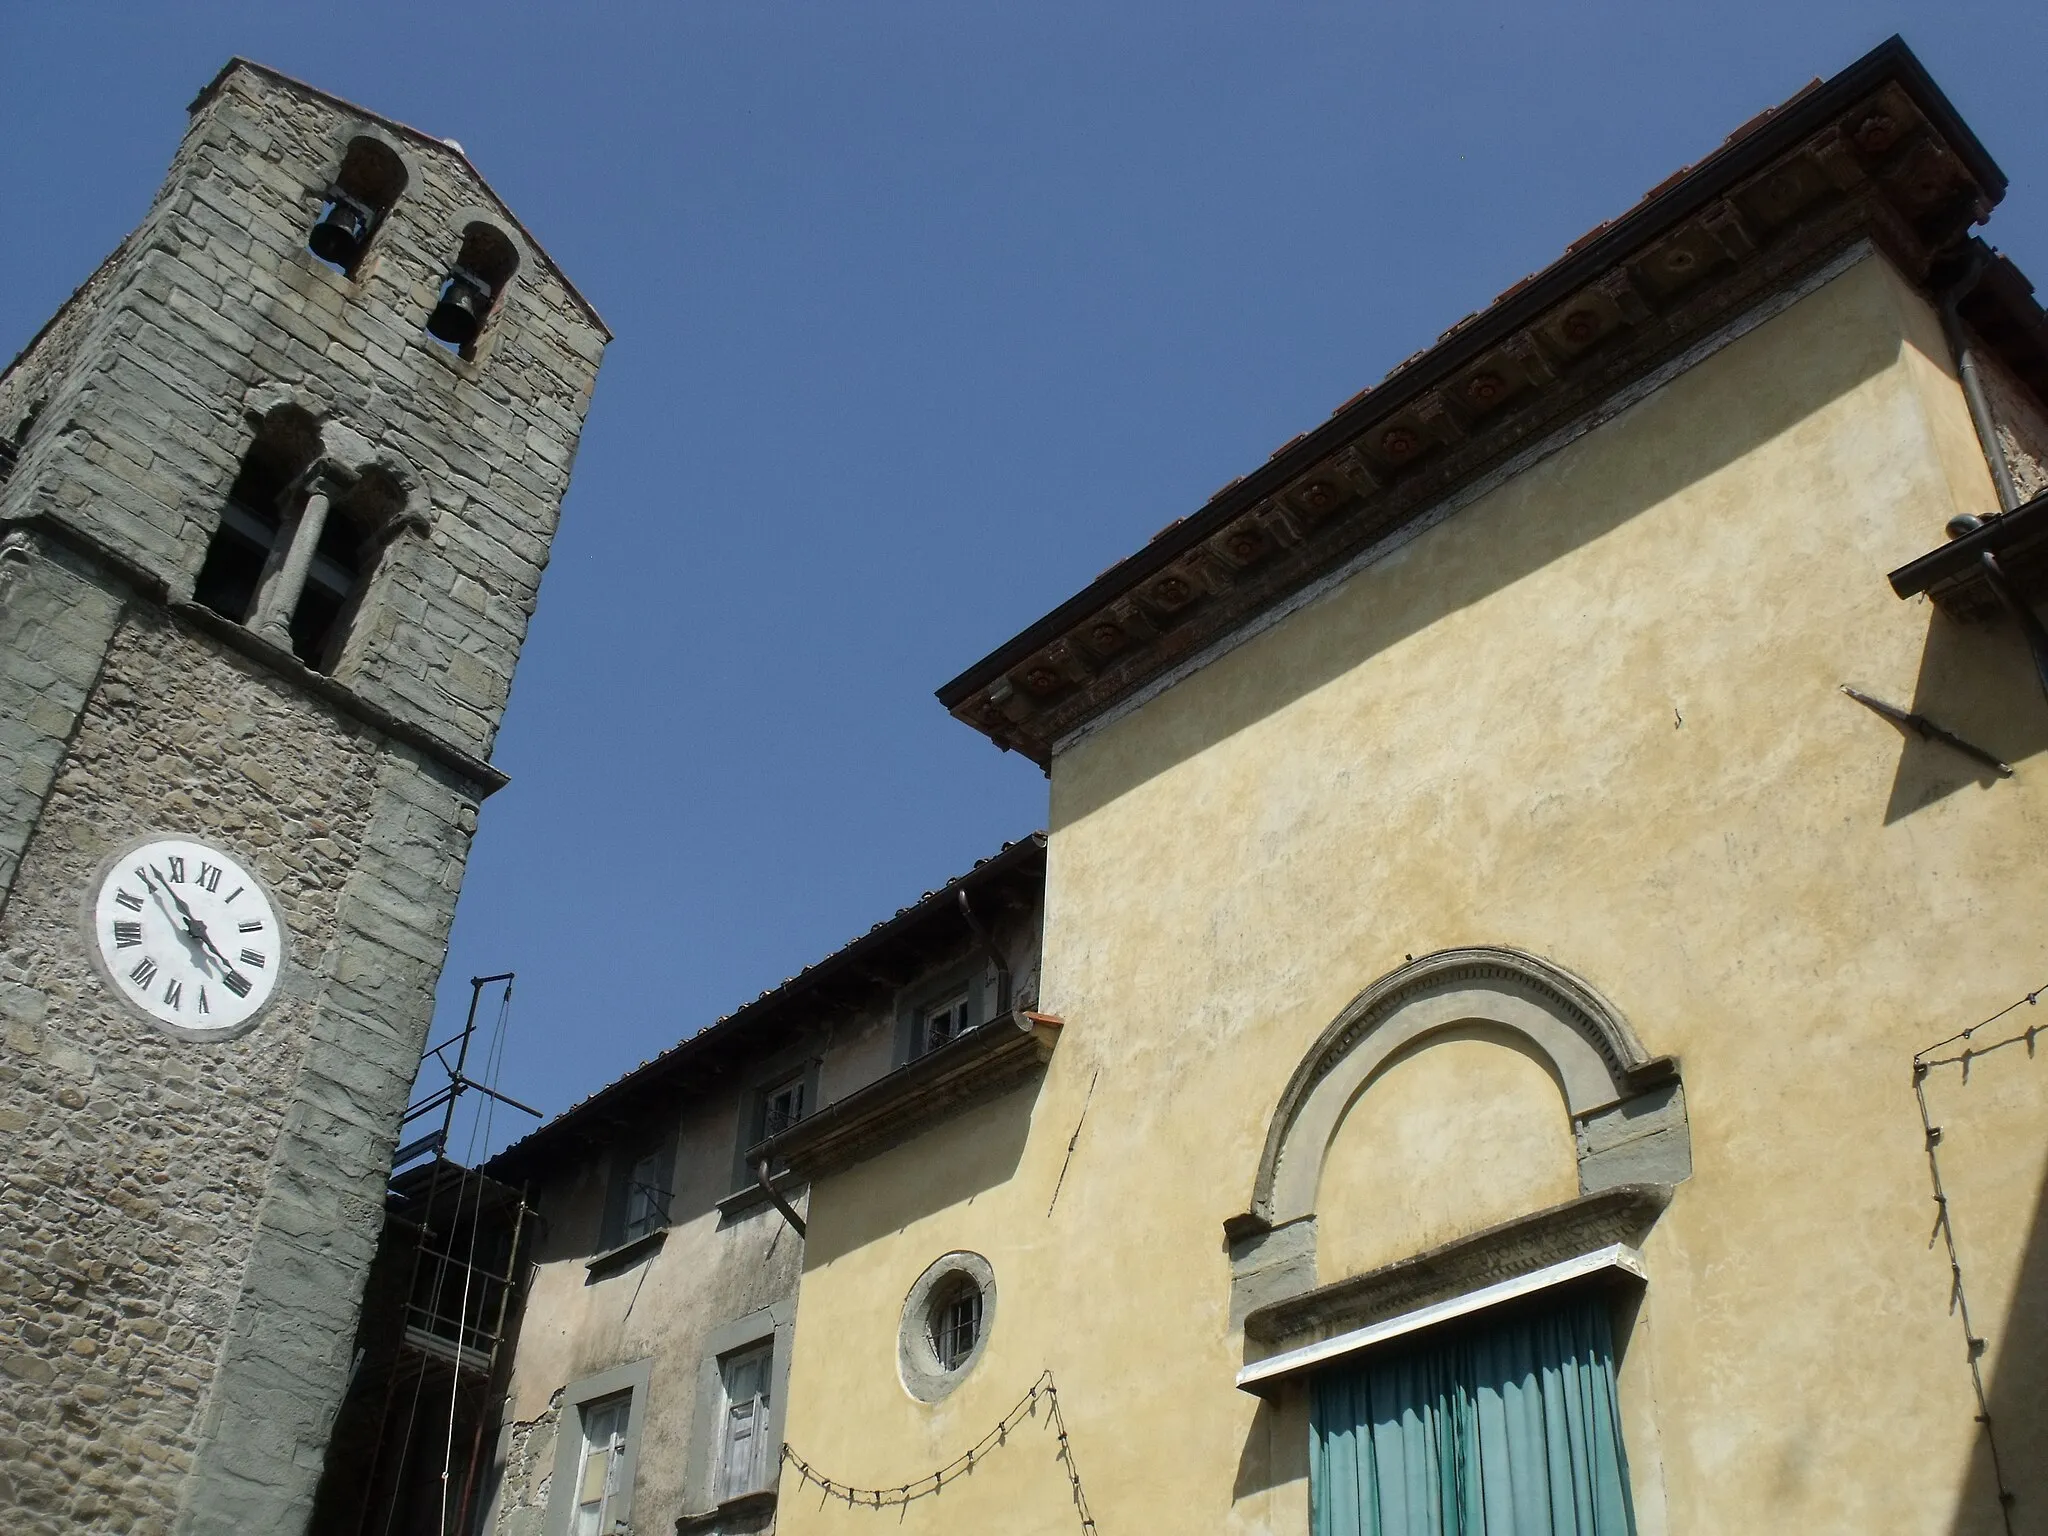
[464, 305]
[343, 230]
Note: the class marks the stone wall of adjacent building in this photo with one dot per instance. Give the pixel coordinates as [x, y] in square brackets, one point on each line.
[2022, 428]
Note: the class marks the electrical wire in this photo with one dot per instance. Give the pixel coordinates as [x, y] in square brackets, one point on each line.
[1974, 1345]
[962, 1465]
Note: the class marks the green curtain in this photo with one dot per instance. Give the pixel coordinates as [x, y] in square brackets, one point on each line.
[1508, 1428]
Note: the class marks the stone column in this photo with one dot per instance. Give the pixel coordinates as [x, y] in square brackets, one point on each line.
[280, 594]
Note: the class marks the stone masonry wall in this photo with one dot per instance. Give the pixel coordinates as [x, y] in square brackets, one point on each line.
[528, 1473]
[135, 1163]
[55, 623]
[184, 1229]
[285, 1366]
[216, 297]
[47, 358]
[2022, 429]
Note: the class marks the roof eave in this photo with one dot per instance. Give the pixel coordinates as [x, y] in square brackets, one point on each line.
[1742, 156]
[763, 1011]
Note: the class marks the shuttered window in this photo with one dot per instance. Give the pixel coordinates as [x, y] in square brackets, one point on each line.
[744, 1462]
[1505, 1426]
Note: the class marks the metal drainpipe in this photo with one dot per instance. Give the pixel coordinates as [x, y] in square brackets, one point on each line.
[995, 955]
[1994, 455]
[1973, 384]
[767, 1184]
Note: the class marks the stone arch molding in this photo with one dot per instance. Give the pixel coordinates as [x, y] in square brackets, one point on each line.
[345, 450]
[1598, 1061]
[1627, 1111]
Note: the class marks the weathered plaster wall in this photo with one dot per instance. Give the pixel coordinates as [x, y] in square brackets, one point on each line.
[712, 1270]
[1455, 1135]
[708, 1273]
[1593, 715]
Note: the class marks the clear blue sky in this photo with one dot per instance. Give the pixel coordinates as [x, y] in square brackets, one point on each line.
[926, 313]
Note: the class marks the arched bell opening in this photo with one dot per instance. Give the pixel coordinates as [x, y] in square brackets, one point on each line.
[365, 189]
[471, 291]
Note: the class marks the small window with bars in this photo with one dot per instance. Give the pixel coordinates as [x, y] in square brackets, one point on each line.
[647, 1194]
[782, 1105]
[956, 1323]
[946, 1021]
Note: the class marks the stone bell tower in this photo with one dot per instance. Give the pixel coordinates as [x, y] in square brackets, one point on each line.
[280, 481]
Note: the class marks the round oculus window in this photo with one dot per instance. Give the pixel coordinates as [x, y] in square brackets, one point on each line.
[946, 1321]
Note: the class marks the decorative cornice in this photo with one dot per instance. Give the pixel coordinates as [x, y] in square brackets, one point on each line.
[1876, 153]
[976, 1067]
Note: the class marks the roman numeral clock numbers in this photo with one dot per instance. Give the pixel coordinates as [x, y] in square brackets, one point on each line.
[171, 948]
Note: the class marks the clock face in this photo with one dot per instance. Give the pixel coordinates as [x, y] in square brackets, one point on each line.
[186, 936]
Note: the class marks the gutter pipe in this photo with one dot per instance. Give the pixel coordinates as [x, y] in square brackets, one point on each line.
[995, 955]
[1973, 384]
[1994, 455]
[767, 1184]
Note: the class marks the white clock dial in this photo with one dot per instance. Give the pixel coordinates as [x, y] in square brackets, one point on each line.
[187, 936]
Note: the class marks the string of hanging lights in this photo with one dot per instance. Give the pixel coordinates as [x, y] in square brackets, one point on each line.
[963, 1465]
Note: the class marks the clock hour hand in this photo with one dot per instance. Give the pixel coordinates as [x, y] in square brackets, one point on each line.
[194, 928]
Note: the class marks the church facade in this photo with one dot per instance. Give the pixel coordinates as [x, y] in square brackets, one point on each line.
[1522, 864]
[280, 483]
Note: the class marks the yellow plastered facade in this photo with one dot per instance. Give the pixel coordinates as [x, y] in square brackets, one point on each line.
[1593, 715]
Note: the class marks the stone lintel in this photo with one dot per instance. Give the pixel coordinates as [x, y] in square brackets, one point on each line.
[1622, 1214]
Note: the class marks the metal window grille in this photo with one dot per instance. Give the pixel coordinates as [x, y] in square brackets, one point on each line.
[646, 1209]
[957, 1327]
[946, 1022]
[782, 1108]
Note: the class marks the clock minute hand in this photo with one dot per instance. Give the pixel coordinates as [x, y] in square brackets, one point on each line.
[193, 926]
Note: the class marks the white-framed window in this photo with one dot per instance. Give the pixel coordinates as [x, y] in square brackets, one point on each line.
[745, 1462]
[646, 1198]
[600, 1470]
[944, 1021]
